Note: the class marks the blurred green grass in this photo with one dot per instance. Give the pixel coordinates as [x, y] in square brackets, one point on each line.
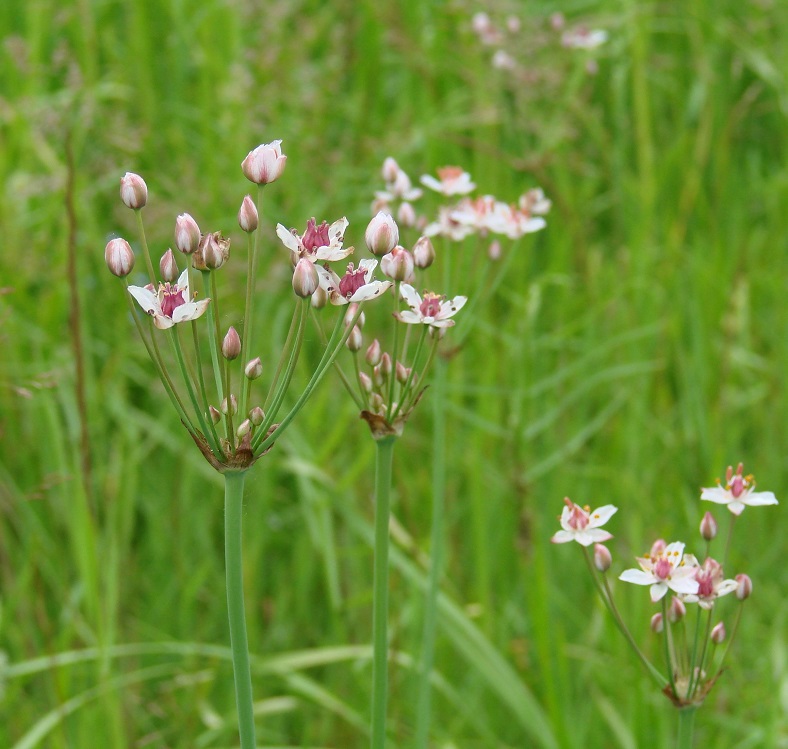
[637, 348]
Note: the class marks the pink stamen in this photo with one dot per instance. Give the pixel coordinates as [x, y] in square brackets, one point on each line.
[663, 568]
[172, 299]
[431, 305]
[352, 281]
[315, 236]
[578, 519]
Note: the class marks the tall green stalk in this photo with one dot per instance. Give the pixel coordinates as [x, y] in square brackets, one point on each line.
[233, 517]
[383, 460]
[686, 727]
[423, 714]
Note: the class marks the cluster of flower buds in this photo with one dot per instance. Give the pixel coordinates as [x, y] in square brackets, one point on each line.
[667, 569]
[398, 196]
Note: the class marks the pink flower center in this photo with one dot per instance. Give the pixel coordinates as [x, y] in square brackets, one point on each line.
[352, 281]
[578, 518]
[705, 581]
[663, 568]
[449, 174]
[431, 305]
[315, 236]
[737, 486]
[172, 299]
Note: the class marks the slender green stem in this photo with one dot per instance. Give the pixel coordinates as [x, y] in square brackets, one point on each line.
[251, 255]
[342, 376]
[282, 357]
[213, 336]
[233, 520]
[668, 639]
[406, 388]
[606, 595]
[176, 343]
[394, 349]
[201, 380]
[423, 713]
[261, 442]
[145, 249]
[383, 461]
[686, 726]
[694, 662]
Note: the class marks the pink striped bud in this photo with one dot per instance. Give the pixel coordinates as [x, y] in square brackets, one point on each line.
[397, 264]
[355, 340]
[708, 527]
[382, 234]
[305, 279]
[657, 625]
[423, 253]
[373, 353]
[168, 267]
[253, 369]
[718, 633]
[602, 557]
[256, 416]
[265, 164]
[744, 589]
[231, 345]
[247, 215]
[187, 234]
[133, 191]
[119, 257]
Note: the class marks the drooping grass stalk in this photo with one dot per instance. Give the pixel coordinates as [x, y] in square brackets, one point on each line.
[384, 455]
[423, 713]
[233, 558]
[686, 727]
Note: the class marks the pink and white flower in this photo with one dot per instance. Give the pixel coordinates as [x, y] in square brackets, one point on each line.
[171, 304]
[582, 37]
[357, 285]
[581, 524]
[711, 584]
[265, 163]
[738, 492]
[665, 571]
[452, 181]
[433, 309]
[317, 243]
[448, 226]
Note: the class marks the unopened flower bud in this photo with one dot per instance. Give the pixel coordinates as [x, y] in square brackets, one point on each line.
[397, 264]
[133, 191]
[677, 610]
[187, 234]
[602, 557]
[366, 382]
[351, 313]
[247, 215]
[305, 279]
[168, 267]
[718, 633]
[744, 589]
[403, 373]
[385, 363]
[390, 169]
[376, 402]
[253, 369]
[319, 298]
[377, 376]
[382, 234]
[215, 415]
[423, 253]
[119, 257]
[373, 353]
[657, 625]
[233, 406]
[231, 345]
[355, 340]
[494, 250]
[265, 164]
[406, 215]
[257, 416]
[213, 252]
[243, 429]
[708, 527]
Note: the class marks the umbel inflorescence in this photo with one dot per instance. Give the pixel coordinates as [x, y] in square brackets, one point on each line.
[676, 580]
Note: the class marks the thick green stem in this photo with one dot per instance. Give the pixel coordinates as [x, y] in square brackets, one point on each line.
[383, 461]
[686, 726]
[233, 518]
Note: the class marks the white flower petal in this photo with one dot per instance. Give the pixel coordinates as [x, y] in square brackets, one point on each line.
[336, 232]
[329, 281]
[146, 299]
[716, 494]
[162, 322]
[638, 577]
[736, 507]
[597, 535]
[408, 317]
[601, 515]
[429, 181]
[332, 253]
[562, 537]
[370, 291]
[756, 499]
[190, 310]
[288, 240]
[411, 296]
[658, 591]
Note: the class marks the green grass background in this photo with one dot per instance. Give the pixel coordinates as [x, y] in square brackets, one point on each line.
[637, 348]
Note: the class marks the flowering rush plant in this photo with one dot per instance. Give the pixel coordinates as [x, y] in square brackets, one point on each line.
[676, 581]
